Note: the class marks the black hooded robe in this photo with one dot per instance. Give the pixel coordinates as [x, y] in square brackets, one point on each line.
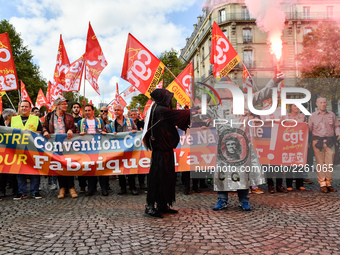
[161, 138]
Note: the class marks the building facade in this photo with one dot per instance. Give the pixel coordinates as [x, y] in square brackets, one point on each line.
[250, 42]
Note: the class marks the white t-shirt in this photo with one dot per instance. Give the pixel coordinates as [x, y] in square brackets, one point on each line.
[91, 124]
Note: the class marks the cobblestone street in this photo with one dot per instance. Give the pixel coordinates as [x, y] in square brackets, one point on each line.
[281, 223]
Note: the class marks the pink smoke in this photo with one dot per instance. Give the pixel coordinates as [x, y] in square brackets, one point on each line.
[271, 19]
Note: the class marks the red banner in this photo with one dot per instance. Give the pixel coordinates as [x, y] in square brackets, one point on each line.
[24, 94]
[8, 73]
[181, 86]
[223, 55]
[60, 70]
[74, 75]
[141, 68]
[41, 100]
[95, 59]
[279, 145]
[26, 152]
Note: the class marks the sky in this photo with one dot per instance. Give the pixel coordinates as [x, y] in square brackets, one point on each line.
[158, 25]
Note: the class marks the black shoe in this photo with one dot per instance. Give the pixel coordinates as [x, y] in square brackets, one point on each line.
[167, 210]
[105, 193]
[281, 189]
[271, 189]
[134, 192]
[196, 190]
[37, 195]
[151, 211]
[186, 191]
[122, 192]
[89, 193]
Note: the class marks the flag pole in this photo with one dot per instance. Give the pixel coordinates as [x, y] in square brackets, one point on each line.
[84, 102]
[11, 101]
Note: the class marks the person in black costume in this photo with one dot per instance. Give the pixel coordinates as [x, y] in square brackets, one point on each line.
[161, 138]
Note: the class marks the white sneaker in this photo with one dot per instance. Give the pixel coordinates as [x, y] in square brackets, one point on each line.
[53, 186]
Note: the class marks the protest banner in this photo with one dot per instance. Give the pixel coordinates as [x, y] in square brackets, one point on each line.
[26, 152]
[279, 145]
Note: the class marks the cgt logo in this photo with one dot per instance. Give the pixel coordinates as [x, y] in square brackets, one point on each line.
[139, 68]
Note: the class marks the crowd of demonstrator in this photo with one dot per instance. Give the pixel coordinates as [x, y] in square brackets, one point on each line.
[323, 124]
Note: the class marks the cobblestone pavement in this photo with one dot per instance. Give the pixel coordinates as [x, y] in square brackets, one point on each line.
[281, 223]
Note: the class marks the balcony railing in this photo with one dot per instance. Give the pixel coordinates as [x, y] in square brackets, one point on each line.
[247, 39]
[311, 15]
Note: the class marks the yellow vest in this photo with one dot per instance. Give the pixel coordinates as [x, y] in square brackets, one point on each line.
[31, 124]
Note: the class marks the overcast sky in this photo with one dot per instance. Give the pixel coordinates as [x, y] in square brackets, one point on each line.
[158, 25]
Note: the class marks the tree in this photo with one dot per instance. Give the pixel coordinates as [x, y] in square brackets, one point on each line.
[27, 71]
[320, 61]
[176, 66]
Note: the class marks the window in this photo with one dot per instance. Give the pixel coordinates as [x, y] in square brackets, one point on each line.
[226, 33]
[222, 15]
[248, 58]
[202, 54]
[245, 13]
[247, 36]
[306, 12]
[329, 12]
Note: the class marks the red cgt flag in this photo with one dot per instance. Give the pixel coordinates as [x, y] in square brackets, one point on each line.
[181, 86]
[247, 82]
[48, 96]
[95, 59]
[74, 75]
[223, 56]
[24, 94]
[41, 99]
[8, 73]
[146, 108]
[62, 65]
[141, 68]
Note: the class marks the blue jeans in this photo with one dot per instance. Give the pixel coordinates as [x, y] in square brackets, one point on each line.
[22, 183]
[242, 195]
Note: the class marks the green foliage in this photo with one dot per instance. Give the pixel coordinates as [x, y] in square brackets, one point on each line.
[27, 71]
[320, 61]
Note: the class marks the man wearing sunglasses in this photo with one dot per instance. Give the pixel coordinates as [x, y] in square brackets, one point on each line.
[103, 115]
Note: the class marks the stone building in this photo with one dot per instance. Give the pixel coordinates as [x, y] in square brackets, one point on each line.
[250, 42]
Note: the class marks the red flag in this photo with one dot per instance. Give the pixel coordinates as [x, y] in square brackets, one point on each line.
[178, 106]
[111, 109]
[223, 55]
[95, 60]
[91, 102]
[24, 94]
[130, 92]
[141, 68]
[140, 113]
[8, 73]
[60, 70]
[247, 82]
[181, 86]
[48, 96]
[146, 108]
[160, 85]
[41, 100]
[0, 105]
[74, 75]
